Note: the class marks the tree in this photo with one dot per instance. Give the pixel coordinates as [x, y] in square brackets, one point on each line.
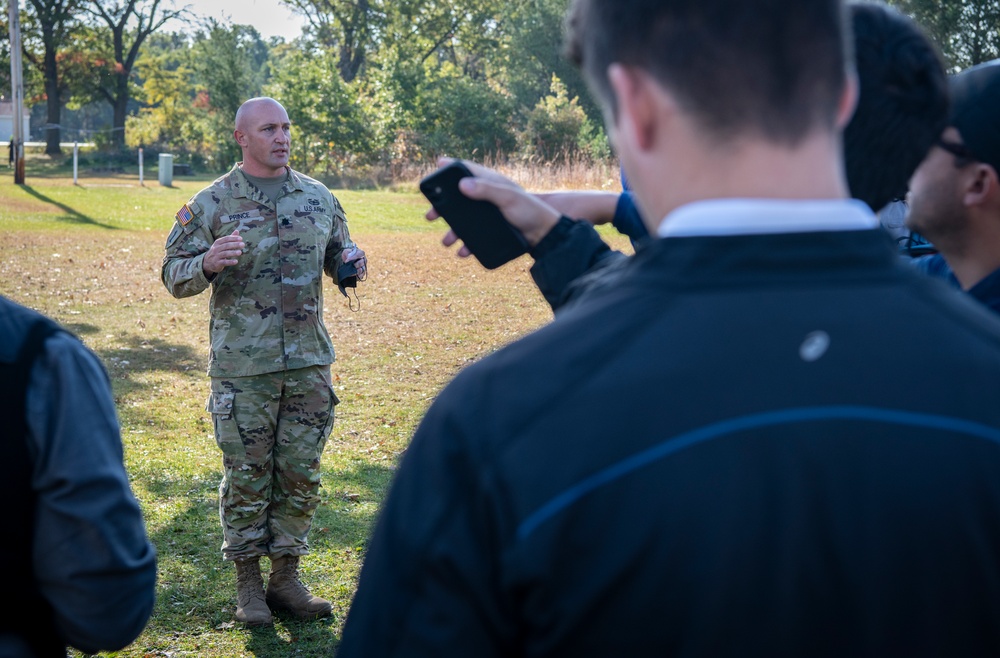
[167, 93]
[532, 52]
[50, 23]
[128, 23]
[966, 31]
[350, 28]
[357, 29]
[192, 86]
[555, 124]
[465, 33]
[4, 49]
[330, 130]
[462, 116]
[231, 65]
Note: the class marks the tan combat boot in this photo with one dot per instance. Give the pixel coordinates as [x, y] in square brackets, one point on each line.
[285, 590]
[251, 609]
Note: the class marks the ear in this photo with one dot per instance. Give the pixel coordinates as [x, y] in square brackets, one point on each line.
[981, 185]
[239, 137]
[636, 118]
[848, 99]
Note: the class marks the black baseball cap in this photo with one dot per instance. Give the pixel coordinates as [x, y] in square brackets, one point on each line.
[975, 110]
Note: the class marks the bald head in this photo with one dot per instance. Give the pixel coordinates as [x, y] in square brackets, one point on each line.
[252, 108]
[263, 131]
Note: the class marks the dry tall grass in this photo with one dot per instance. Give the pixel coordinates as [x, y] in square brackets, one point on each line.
[567, 174]
[572, 173]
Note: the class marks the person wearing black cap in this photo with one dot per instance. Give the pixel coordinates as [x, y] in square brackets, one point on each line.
[955, 193]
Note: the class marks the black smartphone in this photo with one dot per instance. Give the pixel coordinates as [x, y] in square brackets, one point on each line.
[479, 224]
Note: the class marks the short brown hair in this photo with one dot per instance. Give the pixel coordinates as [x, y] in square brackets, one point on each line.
[774, 68]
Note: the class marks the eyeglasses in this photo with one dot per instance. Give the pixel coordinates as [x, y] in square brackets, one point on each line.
[960, 151]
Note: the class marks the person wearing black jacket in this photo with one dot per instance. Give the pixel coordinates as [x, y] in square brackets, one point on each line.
[81, 569]
[731, 451]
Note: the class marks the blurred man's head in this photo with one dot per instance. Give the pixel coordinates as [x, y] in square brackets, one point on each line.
[902, 107]
[770, 68]
[719, 98]
[955, 192]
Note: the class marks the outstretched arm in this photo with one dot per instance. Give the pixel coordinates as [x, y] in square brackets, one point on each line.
[563, 249]
[590, 206]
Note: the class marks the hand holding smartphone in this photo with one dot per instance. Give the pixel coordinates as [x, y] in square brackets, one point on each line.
[478, 224]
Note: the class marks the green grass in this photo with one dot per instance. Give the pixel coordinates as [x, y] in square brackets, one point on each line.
[89, 256]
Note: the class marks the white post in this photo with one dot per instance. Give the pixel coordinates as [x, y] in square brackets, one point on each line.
[140, 167]
[76, 160]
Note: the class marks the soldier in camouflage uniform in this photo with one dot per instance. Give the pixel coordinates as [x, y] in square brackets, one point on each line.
[261, 236]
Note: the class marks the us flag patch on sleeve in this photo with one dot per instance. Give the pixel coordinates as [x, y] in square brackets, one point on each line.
[184, 215]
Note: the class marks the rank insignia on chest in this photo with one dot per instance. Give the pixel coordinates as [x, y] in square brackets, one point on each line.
[184, 215]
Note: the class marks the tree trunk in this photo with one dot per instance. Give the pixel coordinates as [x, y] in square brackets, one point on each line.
[53, 105]
[350, 62]
[120, 112]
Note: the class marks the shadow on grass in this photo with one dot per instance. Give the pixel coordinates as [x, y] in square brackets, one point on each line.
[196, 590]
[196, 593]
[351, 497]
[141, 354]
[338, 523]
[75, 216]
[80, 328]
[135, 367]
[311, 638]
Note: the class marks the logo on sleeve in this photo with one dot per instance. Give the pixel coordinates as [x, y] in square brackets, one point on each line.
[184, 215]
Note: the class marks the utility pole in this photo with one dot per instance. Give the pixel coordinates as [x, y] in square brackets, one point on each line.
[17, 89]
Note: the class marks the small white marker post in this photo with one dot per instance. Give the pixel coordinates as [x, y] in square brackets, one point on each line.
[140, 167]
[76, 160]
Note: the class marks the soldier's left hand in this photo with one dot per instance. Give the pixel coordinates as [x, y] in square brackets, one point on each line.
[357, 256]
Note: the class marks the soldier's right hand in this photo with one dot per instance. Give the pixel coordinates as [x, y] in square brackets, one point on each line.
[223, 253]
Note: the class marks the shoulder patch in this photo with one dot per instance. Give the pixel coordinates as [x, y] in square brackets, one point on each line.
[184, 215]
[175, 234]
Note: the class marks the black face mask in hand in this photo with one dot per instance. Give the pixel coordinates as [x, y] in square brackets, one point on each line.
[347, 277]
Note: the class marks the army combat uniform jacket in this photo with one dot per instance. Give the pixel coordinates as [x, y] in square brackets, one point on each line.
[266, 311]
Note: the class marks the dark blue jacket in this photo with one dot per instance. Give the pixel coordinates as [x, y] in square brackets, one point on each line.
[986, 292]
[628, 221]
[82, 569]
[729, 451]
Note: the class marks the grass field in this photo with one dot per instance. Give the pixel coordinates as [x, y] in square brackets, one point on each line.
[89, 256]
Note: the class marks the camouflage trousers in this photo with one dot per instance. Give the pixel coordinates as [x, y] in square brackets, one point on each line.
[271, 429]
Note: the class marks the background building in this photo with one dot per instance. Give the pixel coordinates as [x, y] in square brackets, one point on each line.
[7, 121]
